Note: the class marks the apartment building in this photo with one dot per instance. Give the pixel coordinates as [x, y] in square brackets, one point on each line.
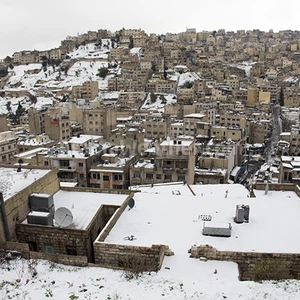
[219, 155]
[131, 138]
[174, 161]
[3, 123]
[113, 170]
[75, 158]
[99, 121]
[25, 57]
[190, 123]
[88, 90]
[8, 146]
[133, 100]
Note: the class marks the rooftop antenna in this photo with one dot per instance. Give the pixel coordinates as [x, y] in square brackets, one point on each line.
[63, 217]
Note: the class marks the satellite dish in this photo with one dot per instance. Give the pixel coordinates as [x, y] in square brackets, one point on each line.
[131, 203]
[63, 217]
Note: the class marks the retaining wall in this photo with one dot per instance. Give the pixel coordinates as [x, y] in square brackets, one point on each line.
[254, 265]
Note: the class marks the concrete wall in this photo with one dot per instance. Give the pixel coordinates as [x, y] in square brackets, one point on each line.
[17, 206]
[254, 265]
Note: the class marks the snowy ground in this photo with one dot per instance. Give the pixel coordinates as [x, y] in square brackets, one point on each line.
[190, 280]
[159, 104]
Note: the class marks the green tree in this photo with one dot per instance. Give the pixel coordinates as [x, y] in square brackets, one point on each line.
[188, 85]
[8, 106]
[153, 97]
[131, 45]
[7, 59]
[102, 72]
[281, 97]
[3, 72]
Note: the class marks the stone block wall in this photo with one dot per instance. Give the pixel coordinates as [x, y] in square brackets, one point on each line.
[254, 265]
[59, 238]
[17, 206]
[275, 186]
[130, 257]
[69, 260]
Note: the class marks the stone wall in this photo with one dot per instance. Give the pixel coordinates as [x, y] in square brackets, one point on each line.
[106, 230]
[17, 206]
[69, 260]
[81, 241]
[133, 258]
[275, 186]
[20, 249]
[254, 265]
[96, 190]
[59, 238]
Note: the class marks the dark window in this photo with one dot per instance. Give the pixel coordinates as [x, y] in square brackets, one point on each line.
[48, 248]
[105, 177]
[80, 164]
[118, 177]
[32, 246]
[149, 176]
[71, 250]
[64, 163]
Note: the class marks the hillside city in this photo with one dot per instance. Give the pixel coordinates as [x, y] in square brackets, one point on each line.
[171, 157]
[201, 107]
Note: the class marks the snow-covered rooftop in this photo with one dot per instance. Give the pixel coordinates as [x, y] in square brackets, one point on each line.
[11, 181]
[84, 211]
[169, 215]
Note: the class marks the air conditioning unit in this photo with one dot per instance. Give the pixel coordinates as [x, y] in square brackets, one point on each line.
[242, 213]
[41, 202]
[40, 218]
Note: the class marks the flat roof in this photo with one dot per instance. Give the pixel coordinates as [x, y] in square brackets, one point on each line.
[170, 214]
[84, 205]
[12, 182]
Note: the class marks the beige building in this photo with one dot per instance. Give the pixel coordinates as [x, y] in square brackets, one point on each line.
[99, 121]
[174, 161]
[3, 123]
[88, 90]
[113, 171]
[8, 146]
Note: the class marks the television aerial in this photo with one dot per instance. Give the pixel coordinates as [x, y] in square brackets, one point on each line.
[131, 203]
[63, 217]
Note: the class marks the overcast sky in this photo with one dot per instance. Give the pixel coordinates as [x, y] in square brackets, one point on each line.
[41, 25]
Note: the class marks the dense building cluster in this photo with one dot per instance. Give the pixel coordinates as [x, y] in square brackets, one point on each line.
[131, 108]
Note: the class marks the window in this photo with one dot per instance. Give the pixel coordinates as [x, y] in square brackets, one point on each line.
[64, 163]
[46, 163]
[118, 177]
[158, 176]
[94, 175]
[48, 248]
[149, 176]
[32, 246]
[168, 177]
[71, 250]
[80, 164]
[105, 178]
[136, 175]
